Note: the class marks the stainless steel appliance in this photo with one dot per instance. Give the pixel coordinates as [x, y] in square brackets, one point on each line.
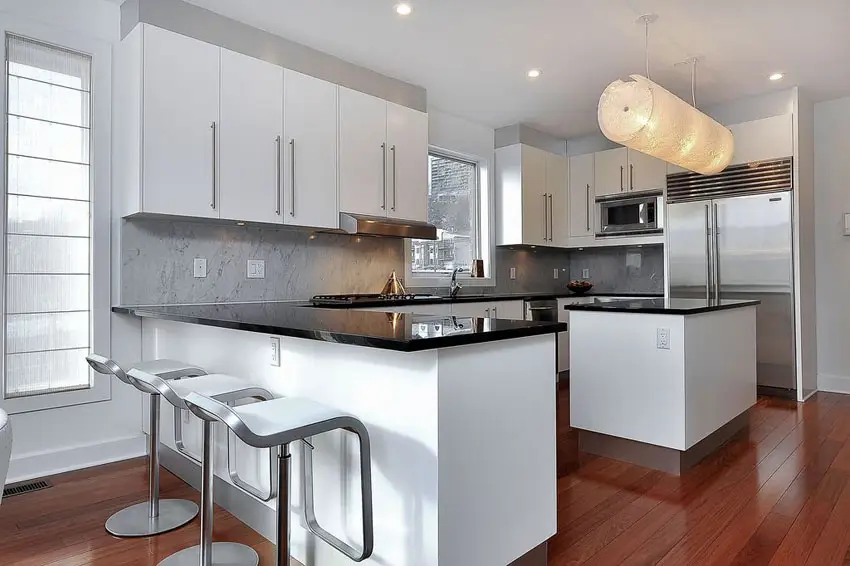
[730, 236]
[383, 226]
[544, 310]
[365, 299]
[633, 215]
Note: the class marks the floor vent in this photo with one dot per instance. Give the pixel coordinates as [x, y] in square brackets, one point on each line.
[25, 487]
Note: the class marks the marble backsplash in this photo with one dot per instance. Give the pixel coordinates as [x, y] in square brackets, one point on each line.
[157, 259]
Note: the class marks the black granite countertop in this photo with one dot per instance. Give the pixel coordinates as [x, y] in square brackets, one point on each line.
[487, 297]
[663, 306]
[391, 331]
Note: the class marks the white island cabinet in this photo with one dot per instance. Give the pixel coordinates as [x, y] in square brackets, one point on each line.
[460, 412]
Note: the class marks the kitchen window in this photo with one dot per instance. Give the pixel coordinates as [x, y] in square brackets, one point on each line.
[50, 312]
[459, 206]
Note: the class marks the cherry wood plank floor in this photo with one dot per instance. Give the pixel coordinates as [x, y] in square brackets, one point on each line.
[778, 494]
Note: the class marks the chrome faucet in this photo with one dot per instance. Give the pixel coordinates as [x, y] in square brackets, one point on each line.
[454, 286]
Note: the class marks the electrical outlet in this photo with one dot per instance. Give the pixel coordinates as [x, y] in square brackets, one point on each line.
[663, 338]
[256, 269]
[555, 273]
[513, 273]
[585, 274]
[275, 351]
[200, 267]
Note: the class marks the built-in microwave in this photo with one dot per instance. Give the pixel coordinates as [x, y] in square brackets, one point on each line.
[630, 215]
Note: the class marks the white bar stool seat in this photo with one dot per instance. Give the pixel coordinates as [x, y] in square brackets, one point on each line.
[225, 389]
[157, 515]
[280, 422]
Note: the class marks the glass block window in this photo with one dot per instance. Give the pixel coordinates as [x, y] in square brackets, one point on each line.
[48, 219]
[454, 208]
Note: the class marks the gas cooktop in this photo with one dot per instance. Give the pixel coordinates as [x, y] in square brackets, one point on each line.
[320, 300]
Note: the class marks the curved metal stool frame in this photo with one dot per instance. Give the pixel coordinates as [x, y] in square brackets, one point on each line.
[207, 553]
[213, 410]
[156, 516]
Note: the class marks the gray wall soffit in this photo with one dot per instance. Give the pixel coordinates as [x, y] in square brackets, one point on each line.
[520, 133]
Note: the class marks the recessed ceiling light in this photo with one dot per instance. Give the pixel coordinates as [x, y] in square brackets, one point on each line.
[403, 9]
[776, 76]
[534, 73]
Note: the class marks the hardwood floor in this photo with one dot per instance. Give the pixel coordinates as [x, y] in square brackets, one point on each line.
[778, 495]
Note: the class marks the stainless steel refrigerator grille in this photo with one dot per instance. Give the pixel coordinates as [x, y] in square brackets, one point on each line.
[737, 180]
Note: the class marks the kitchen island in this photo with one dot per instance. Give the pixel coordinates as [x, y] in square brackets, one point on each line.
[661, 383]
[460, 411]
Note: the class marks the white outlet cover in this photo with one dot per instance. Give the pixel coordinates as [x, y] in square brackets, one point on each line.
[555, 274]
[274, 358]
[513, 273]
[200, 267]
[256, 269]
[663, 338]
[585, 273]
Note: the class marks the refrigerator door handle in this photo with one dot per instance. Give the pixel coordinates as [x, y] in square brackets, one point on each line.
[708, 270]
[716, 256]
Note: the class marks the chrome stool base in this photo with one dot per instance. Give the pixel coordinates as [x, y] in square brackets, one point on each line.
[136, 521]
[223, 554]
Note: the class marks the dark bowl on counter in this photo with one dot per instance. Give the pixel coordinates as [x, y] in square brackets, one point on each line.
[579, 287]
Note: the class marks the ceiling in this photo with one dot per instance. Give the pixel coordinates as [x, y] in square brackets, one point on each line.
[472, 55]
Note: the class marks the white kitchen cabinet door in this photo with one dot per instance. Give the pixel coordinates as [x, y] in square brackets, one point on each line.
[768, 138]
[180, 95]
[310, 150]
[407, 163]
[556, 183]
[535, 197]
[250, 132]
[611, 171]
[363, 153]
[646, 173]
[582, 204]
[509, 310]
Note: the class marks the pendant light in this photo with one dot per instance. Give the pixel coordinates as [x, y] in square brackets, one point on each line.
[643, 116]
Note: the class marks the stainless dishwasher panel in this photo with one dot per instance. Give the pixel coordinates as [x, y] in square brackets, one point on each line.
[542, 310]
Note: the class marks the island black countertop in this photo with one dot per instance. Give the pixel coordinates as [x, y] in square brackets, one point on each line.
[664, 306]
[390, 331]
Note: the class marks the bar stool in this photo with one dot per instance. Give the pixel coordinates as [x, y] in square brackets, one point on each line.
[224, 389]
[280, 422]
[157, 515]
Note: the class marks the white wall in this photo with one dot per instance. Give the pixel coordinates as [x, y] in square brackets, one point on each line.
[55, 440]
[832, 200]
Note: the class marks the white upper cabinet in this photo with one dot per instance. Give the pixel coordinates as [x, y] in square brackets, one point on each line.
[407, 162]
[611, 171]
[646, 173]
[363, 153]
[582, 205]
[760, 140]
[180, 119]
[250, 133]
[310, 148]
[557, 186]
[535, 196]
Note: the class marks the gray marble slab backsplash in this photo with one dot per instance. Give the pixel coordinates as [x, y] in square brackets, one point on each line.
[157, 258]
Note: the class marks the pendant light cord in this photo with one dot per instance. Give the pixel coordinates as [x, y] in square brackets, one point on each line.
[646, 45]
[694, 81]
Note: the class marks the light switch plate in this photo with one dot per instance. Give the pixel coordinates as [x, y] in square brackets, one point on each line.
[513, 273]
[200, 267]
[585, 273]
[555, 273]
[256, 269]
[847, 223]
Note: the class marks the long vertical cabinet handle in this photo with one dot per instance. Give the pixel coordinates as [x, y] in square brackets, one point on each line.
[545, 218]
[631, 177]
[621, 178]
[709, 272]
[495, 312]
[214, 157]
[384, 169]
[277, 187]
[551, 219]
[716, 232]
[392, 149]
[292, 177]
[587, 211]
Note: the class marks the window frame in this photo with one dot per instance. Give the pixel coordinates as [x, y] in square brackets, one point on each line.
[100, 198]
[483, 227]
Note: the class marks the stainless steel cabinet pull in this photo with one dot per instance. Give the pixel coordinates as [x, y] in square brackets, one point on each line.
[621, 178]
[292, 176]
[214, 157]
[277, 187]
[551, 219]
[631, 177]
[708, 270]
[588, 207]
[392, 149]
[384, 168]
[487, 313]
[495, 312]
[716, 256]
[545, 218]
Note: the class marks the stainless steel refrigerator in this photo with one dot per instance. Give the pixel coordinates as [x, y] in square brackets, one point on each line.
[729, 236]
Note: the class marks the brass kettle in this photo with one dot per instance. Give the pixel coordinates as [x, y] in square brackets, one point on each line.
[393, 286]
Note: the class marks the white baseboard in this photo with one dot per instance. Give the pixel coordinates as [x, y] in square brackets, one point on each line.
[833, 383]
[48, 463]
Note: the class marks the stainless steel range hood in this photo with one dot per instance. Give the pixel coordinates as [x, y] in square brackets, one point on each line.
[380, 226]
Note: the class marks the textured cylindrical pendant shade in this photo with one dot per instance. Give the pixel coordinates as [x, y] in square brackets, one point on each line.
[645, 117]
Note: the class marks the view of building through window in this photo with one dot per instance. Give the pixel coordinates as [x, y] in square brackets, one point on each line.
[453, 209]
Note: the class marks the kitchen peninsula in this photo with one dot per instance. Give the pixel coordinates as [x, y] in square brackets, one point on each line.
[661, 382]
[433, 392]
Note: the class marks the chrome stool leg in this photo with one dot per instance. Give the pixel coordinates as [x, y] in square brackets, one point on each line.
[209, 553]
